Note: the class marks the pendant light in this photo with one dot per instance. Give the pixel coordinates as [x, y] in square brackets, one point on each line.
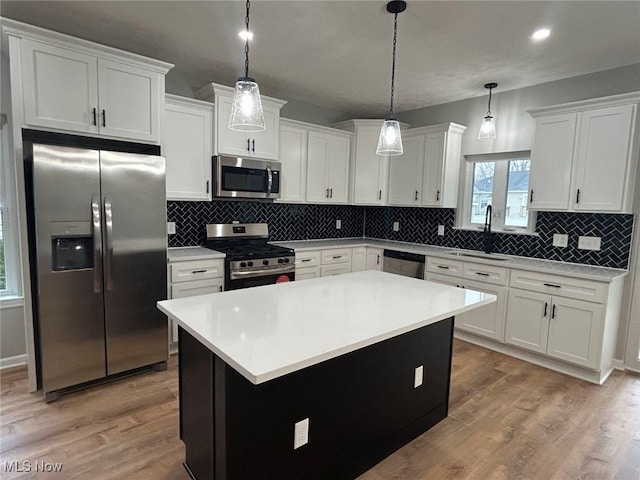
[390, 140]
[246, 112]
[488, 127]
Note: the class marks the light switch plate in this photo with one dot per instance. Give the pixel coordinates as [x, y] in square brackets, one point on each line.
[171, 228]
[560, 239]
[589, 243]
[396, 226]
[441, 230]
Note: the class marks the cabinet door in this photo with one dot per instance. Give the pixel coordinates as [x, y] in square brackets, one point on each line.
[488, 320]
[405, 173]
[129, 101]
[293, 156]
[187, 147]
[265, 144]
[307, 273]
[317, 168]
[602, 159]
[60, 87]
[338, 171]
[338, 269]
[190, 289]
[227, 141]
[527, 324]
[551, 162]
[575, 331]
[374, 259]
[358, 259]
[433, 163]
[370, 169]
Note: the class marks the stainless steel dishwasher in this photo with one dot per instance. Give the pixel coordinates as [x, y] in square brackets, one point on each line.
[404, 263]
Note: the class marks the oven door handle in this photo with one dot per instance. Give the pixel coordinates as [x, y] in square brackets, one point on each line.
[263, 272]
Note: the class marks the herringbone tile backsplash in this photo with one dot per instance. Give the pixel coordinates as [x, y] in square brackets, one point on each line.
[417, 225]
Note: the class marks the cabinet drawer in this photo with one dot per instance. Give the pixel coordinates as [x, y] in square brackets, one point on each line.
[444, 279]
[332, 257]
[445, 266]
[307, 259]
[486, 273]
[196, 270]
[339, 269]
[307, 273]
[198, 287]
[558, 285]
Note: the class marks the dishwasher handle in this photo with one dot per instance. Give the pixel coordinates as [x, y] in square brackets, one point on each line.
[412, 257]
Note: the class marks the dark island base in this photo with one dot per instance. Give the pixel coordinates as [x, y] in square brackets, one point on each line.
[361, 406]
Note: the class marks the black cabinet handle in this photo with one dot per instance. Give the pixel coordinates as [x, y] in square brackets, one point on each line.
[207, 186]
[438, 196]
[553, 311]
[552, 285]
[444, 267]
[337, 256]
[416, 197]
[95, 116]
[306, 259]
[198, 271]
[578, 196]
[379, 194]
[104, 118]
[482, 273]
[546, 308]
[331, 193]
[248, 145]
[378, 260]
[220, 287]
[253, 145]
[327, 194]
[531, 196]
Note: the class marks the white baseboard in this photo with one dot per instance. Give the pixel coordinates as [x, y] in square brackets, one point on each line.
[10, 362]
[618, 364]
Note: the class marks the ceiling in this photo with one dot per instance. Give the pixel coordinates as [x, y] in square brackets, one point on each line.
[337, 54]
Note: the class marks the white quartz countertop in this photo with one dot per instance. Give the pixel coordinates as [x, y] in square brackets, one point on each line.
[178, 254]
[586, 272]
[269, 331]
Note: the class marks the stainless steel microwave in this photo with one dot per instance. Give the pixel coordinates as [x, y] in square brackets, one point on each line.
[239, 177]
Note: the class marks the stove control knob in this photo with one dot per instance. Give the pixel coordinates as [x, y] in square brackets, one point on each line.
[286, 260]
[243, 264]
[250, 264]
[280, 260]
[265, 262]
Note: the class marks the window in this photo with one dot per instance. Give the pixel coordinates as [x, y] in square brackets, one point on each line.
[502, 181]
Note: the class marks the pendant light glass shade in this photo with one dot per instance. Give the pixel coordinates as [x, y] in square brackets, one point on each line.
[246, 112]
[488, 127]
[390, 140]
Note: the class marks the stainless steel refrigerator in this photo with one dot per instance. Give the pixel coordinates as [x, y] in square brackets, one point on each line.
[99, 234]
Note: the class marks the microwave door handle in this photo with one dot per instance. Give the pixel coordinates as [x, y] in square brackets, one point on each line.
[269, 180]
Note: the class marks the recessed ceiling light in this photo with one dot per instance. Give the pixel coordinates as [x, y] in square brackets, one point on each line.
[246, 35]
[541, 34]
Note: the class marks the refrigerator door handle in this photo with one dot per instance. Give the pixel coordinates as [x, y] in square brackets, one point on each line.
[97, 243]
[108, 258]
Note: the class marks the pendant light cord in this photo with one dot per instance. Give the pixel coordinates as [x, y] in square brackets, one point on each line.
[246, 45]
[393, 62]
[489, 106]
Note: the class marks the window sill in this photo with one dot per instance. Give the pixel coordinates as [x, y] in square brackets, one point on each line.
[11, 301]
[510, 232]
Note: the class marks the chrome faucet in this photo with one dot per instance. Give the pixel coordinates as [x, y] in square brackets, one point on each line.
[486, 232]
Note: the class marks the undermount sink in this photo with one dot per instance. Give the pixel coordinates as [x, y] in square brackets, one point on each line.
[488, 256]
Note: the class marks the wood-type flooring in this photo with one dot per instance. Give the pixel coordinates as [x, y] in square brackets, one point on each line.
[507, 420]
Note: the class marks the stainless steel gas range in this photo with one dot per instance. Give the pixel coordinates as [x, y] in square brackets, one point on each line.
[250, 260]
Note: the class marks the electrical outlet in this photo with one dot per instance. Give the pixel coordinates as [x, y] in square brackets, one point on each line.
[301, 433]
[417, 376]
[171, 228]
[441, 230]
[589, 243]
[338, 224]
[396, 226]
[560, 239]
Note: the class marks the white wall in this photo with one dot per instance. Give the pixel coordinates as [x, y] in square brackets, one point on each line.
[12, 341]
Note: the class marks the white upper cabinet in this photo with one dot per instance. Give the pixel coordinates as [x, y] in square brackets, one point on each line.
[582, 158]
[368, 170]
[293, 157]
[433, 154]
[76, 86]
[328, 166]
[262, 144]
[187, 144]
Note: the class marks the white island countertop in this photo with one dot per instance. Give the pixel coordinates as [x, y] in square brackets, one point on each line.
[269, 331]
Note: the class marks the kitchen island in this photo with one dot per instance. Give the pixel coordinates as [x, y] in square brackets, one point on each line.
[365, 357]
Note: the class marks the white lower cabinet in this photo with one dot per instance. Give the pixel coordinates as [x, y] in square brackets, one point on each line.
[335, 262]
[374, 258]
[488, 320]
[188, 278]
[563, 328]
[307, 265]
